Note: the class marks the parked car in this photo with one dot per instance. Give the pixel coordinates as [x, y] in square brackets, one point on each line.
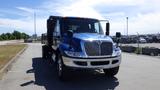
[29, 40]
[142, 40]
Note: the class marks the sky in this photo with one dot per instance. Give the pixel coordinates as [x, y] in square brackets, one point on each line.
[143, 15]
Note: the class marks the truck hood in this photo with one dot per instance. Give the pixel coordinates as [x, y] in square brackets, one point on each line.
[91, 36]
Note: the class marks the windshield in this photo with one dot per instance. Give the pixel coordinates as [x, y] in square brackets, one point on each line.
[82, 26]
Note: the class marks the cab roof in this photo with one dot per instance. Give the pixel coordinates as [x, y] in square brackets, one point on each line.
[68, 17]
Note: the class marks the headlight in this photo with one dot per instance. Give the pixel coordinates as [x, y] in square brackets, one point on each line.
[116, 50]
[73, 54]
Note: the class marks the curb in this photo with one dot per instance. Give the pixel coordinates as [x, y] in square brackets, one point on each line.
[8, 66]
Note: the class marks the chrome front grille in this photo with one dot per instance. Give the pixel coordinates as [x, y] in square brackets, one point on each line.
[106, 48]
[98, 48]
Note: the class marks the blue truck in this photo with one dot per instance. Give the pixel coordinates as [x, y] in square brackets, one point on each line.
[80, 43]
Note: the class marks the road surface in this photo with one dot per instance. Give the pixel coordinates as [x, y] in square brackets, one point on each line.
[31, 72]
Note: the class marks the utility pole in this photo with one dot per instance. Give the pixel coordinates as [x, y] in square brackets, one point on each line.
[35, 25]
[127, 24]
[138, 49]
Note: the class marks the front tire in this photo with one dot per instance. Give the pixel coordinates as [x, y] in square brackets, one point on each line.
[62, 70]
[111, 72]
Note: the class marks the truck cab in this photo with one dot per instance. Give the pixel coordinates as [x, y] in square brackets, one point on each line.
[80, 43]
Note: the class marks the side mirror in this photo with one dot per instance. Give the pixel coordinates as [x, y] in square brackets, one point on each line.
[107, 28]
[118, 34]
[70, 34]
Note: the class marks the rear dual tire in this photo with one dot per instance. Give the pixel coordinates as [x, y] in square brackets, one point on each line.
[46, 52]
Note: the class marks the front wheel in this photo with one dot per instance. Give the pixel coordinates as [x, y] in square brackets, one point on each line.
[111, 72]
[62, 71]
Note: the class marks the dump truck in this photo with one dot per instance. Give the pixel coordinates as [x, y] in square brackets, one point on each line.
[80, 43]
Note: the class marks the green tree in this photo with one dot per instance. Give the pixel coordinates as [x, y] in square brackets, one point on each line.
[14, 35]
[9, 36]
[1, 38]
[17, 34]
[4, 36]
[24, 36]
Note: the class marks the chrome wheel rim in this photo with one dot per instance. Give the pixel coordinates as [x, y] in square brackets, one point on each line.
[59, 68]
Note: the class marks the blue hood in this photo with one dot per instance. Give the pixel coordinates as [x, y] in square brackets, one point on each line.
[91, 36]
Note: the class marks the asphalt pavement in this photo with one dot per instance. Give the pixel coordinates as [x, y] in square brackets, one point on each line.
[31, 72]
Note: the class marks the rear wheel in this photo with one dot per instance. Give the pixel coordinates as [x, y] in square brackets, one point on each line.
[111, 72]
[44, 52]
[47, 54]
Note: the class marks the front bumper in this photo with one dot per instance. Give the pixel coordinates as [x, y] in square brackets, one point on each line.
[92, 63]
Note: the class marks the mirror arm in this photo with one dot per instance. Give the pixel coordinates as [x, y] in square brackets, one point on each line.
[118, 40]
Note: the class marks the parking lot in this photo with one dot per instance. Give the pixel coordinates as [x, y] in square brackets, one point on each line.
[31, 72]
[156, 45]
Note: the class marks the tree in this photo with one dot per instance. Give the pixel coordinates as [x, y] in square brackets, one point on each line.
[14, 35]
[4, 37]
[10, 36]
[1, 38]
[17, 34]
[24, 36]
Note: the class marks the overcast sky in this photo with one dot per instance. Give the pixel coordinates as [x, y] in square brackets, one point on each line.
[144, 15]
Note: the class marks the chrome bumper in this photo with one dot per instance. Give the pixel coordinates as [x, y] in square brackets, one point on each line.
[98, 63]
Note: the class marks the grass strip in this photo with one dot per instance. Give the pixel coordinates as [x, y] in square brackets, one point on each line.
[7, 52]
